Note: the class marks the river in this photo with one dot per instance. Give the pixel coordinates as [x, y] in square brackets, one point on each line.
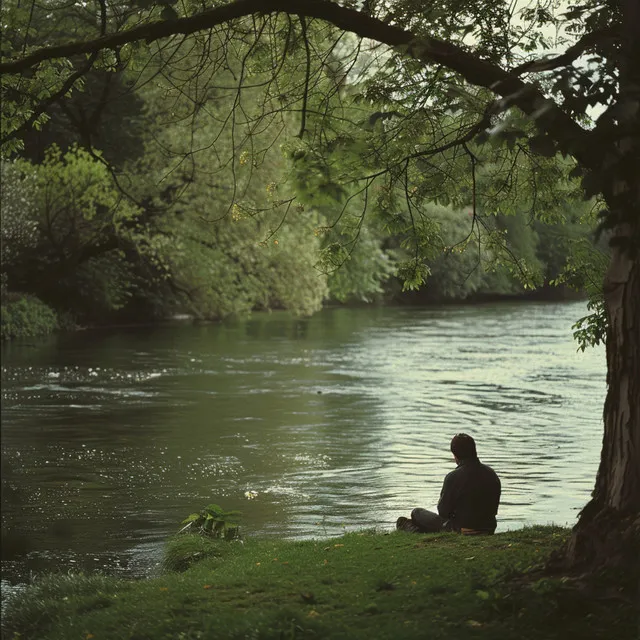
[337, 422]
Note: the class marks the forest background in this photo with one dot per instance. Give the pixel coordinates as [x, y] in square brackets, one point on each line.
[152, 190]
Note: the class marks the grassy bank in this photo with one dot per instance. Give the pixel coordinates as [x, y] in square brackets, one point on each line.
[362, 585]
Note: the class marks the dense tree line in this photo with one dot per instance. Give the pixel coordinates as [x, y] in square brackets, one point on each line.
[137, 199]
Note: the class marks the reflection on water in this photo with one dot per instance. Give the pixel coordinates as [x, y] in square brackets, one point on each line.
[109, 439]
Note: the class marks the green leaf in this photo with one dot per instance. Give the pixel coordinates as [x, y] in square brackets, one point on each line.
[577, 172]
[191, 518]
[443, 199]
[169, 13]
[592, 184]
[543, 146]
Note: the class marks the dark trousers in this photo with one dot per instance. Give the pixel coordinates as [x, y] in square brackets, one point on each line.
[424, 521]
[428, 521]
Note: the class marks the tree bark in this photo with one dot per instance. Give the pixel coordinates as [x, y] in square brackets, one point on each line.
[608, 531]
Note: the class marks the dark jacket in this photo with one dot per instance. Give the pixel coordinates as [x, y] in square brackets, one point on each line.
[470, 496]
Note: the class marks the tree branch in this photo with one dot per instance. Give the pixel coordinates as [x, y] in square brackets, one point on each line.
[307, 75]
[40, 108]
[570, 136]
[587, 41]
[54, 97]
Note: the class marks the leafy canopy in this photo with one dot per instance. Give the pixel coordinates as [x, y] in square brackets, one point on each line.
[395, 105]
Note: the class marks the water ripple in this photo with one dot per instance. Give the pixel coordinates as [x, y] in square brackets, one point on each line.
[337, 422]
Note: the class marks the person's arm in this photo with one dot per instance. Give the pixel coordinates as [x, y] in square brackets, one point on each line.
[498, 492]
[447, 502]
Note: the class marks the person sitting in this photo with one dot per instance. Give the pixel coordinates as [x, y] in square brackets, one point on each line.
[469, 498]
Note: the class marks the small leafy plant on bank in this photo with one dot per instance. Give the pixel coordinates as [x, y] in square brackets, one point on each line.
[213, 521]
[211, 526]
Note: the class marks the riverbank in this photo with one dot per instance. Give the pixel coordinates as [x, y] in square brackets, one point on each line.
[23, 315]
[361, 585]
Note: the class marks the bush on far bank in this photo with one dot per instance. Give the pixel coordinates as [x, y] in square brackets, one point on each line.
[25, 316]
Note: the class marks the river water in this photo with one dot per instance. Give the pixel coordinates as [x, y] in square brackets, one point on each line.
[340, 421]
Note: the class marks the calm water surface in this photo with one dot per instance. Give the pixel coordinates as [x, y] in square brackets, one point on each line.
[109, 439]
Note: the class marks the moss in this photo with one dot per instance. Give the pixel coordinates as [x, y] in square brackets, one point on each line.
[25, 316]
[362, 585]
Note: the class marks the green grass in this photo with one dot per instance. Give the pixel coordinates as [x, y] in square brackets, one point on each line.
[362, 585]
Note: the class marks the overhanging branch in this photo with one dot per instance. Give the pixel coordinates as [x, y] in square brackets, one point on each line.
[570, 137]
[585, 43]
[42, 107]
[66, 87]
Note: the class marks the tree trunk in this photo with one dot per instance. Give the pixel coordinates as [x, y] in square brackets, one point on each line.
[608, 531]
[607, 534]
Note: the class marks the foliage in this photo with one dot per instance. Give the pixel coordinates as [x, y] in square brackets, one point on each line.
[382, 135]
[363, 270]
[79, 203]
[220, 233]
[358, 169]
[212, 521]
[24, 316]
[591, 329]
[77, 221]
[18, 223]
[585, 268]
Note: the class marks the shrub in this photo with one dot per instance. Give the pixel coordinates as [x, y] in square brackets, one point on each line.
[25, 316]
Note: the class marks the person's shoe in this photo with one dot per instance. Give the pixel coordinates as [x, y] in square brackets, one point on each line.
[406, 524]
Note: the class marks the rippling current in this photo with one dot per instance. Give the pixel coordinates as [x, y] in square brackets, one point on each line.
[340, 421]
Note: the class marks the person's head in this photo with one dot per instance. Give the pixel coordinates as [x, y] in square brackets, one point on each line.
[463, 447]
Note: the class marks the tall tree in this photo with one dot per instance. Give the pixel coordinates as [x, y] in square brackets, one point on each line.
[476, 58]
